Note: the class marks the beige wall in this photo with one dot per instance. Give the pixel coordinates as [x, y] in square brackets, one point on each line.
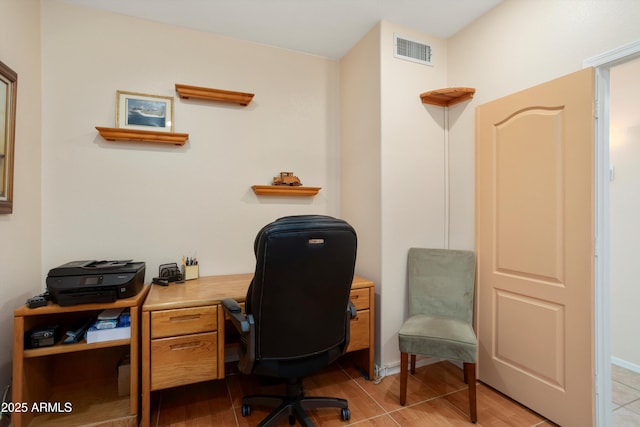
[519, 44]
[360, 177]
[396, 145]
[105, 200]
[625, 209]
[20, 275]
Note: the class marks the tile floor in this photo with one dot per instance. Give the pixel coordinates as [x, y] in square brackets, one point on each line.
[436, 396]
[626, 397]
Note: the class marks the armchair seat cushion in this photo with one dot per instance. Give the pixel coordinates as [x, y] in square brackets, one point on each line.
[438, 337]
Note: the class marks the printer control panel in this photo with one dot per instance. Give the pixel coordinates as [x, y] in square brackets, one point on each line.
[91, 280]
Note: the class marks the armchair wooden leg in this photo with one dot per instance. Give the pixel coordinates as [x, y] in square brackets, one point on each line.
[413, 364]
[470, 377]
[404, 361]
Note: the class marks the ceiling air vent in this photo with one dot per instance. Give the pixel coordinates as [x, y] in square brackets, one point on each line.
[411, 50]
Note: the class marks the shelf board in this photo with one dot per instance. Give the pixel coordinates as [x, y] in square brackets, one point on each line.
[210, 94]
[285, 190]
[98, 404]
[448, 96]
[72, 348]
[122, 134]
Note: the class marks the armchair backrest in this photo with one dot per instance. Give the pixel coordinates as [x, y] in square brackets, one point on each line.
[441, 282]
[300, 291]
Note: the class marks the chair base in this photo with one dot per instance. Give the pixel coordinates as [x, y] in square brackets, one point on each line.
[293, 405]
[469, 373]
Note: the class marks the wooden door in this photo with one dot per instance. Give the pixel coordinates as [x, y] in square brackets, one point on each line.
[535, 243]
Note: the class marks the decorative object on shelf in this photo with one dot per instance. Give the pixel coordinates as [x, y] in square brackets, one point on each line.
[8, 96]
[144, 112]
[447, 97]
[286, 178]
[284, 190]
[209, 94]
[119, 134]
[287, 184]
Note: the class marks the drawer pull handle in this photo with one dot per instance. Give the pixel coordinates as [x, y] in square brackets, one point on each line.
[185, 345]
[184, 318]
[355, 296]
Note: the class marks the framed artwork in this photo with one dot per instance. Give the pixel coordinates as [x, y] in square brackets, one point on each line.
[144, 112]
[8, 95]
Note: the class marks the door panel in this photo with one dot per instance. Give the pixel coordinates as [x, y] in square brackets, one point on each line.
[535, 240]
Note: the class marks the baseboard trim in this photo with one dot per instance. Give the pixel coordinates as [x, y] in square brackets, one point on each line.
[394, 367]
[624, 364]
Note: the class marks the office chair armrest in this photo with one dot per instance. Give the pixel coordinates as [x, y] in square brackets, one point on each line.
[233, 309]
[352, 309]
[246, 326]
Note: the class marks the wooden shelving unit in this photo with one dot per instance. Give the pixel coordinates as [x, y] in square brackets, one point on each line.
[133, 135]
[81, 375]
[448, 96]
[282, 190]
[209, 94]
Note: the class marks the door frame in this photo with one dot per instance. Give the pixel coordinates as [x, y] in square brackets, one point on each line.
[602, 64]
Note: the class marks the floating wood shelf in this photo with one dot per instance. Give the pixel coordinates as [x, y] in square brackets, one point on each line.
[285, 190]
[121, 134]
[447, 97]
[209, 94]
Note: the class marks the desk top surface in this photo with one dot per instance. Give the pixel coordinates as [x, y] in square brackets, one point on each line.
[209, 290]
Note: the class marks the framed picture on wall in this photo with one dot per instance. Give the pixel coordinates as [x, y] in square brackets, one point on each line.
[8, 95]
[144, 112]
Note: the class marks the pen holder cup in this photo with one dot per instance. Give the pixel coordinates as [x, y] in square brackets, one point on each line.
[190, 272]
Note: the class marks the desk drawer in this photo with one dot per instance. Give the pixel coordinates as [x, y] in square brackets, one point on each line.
[184, 360]
[359, 331]
[360, 298]
[183, 321]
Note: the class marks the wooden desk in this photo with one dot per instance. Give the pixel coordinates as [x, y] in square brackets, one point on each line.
[183, 331]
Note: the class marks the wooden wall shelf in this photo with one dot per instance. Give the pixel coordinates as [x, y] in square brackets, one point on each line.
[121, 134]
[447, 97]
[283, 190]
[209, 94]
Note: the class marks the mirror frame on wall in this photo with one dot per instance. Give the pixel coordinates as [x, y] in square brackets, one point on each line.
[8, 95]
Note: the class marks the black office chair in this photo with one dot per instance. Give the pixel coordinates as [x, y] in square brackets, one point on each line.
[297, 310]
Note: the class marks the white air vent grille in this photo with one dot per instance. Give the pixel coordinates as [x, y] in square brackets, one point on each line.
[411, 50]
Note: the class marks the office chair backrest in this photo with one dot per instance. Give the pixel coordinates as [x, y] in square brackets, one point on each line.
[441, 282]
[300, 291]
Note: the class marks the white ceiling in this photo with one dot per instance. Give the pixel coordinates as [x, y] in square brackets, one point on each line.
[321, 27]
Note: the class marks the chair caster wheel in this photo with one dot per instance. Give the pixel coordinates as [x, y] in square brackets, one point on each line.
[345, 414]
[246, 410]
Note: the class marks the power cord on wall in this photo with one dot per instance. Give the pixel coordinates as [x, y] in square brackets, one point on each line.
[5, 417]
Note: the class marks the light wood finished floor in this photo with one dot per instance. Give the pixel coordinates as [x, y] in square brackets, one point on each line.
[436, 396]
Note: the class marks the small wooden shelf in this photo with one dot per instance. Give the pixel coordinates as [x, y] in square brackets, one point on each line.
[447, 97]
[283, 190]
[209, 94]
[121, 134]
[72, 348]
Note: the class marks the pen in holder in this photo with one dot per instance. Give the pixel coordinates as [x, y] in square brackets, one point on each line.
[190, 268]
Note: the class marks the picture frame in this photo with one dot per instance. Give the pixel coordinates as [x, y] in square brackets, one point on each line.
[144, 112]
[8, 96]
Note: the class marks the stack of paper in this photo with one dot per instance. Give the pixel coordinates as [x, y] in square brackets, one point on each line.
[113, 324]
